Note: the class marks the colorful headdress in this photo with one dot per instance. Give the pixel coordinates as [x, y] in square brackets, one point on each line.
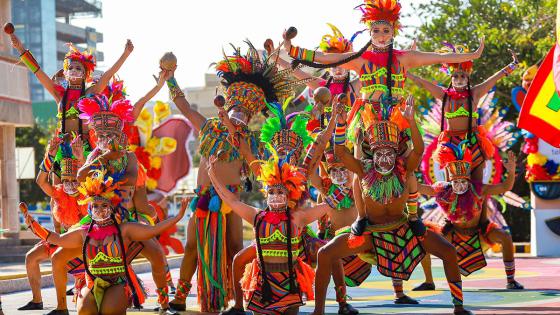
[95, 187]
[276, 172]
[383, 125]
[450, 68]
[381, 11]
[104, 115]
[85, 58]
[250, 81]
[456, 159]
[286, 134]
[336, 43]
[68, 165]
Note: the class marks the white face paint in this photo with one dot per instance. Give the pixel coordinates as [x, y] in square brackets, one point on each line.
[104, 139]
[460, 186]
[459, 80]
[70, 187]
[277, 198]
[100, 211]
[384, 160]
[238, 117]
[339, 73]
[381, 35]
[339, 175]
[75, 73]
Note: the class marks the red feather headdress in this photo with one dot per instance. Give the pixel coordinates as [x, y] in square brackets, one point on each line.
[375, 11]
[85, 58]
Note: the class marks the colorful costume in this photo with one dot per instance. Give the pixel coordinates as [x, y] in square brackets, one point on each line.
[272, 288]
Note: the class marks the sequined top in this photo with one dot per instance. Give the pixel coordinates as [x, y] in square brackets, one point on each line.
[74, 93]
[457, 101]
[271, 228]
[373, 74]
[106, 261]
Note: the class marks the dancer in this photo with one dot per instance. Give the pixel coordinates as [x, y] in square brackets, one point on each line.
[459, 107]
[66, 210]
[276, 281]
[250, 81]
[104, 244]
[462, 200]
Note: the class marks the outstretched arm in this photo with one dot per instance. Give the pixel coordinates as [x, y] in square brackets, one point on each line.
[301, 75]
[434, 89]
[143, 232]
[484, 87]
[33, 65]
[104, 79]
[178, 97]
[416, 155]
[508, 183]
[73, 239]
[164, 75]
[413, 58]
[426, 190]
[305, 216]
[245, 211]
[340, 150]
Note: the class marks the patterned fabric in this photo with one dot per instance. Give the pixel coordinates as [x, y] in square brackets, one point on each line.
[456, 290]
[213, 137]
[183, 289]
[469, 252]
[373, 74]
[356, 271]
[510, 270]
[480, 146]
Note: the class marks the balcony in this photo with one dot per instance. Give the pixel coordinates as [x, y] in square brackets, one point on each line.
[74, 34]
[62, 49]
[78, 8]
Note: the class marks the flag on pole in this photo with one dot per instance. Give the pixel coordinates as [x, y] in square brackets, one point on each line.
[540, 112]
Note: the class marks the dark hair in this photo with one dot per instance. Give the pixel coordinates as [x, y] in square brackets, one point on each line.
[470, 108]
[266, 294]
[443, 102]
[297, 62]
[63, 105]
[290, 263]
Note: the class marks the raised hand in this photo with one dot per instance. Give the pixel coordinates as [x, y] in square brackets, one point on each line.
[413, 46]
[16, 43]
[409, 110]
[53, 144]
[514, 56]
[511, 162]
[129, 47]
[78, 148]
[478, 52]
[287, 40]
[184, 205]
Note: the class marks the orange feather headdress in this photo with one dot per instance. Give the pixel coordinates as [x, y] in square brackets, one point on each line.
[96, 187]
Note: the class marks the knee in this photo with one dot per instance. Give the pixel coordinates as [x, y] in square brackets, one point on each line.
[447, 251]
[325, 254]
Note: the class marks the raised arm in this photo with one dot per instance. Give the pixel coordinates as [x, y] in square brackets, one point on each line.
[164, 75]
[73, 239]
[426, 190]
[316, 150]
[245, 211]
[46, 166]
[143, 232]
[484, 87]
[349, 161]
[507, 184]
[178, 97]
[413, 58]
[105, 77]
[416, 155]
[434, 89]
[305, 216]
[32, 64]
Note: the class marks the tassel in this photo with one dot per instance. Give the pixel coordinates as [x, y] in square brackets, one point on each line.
[215, 204]
[355, 241]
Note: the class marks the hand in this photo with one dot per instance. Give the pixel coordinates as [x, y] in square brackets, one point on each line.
[184, 205]
[287, 41]
[211, 167]
[163, 76]
[409, 110]
[24, 210]
[224, 119]
[511, 162]
[413, 46]
[514, 56]
[52, 147]
[478, 52]
[129, 47]
[78, 148]
[110, 155]
[16, 43]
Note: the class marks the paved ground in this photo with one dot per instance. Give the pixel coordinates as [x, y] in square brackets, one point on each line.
[484, 293]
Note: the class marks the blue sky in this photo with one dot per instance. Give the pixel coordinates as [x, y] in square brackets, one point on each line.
[196, 31]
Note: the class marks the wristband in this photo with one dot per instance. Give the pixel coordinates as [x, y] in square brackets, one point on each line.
[27, 58]
[174, 89]
[302, 54]
[46, 165]
[340, 134]
[412, 203]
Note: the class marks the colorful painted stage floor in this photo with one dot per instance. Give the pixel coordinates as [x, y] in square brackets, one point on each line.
[484, 292]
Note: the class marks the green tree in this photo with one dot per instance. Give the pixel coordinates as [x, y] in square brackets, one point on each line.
[526, 27]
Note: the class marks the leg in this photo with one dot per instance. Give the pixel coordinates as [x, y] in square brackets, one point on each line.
[428, 284]
[504, 238]
[400, 297]
[188, 267]
[154, 253]
[33, 258]
[243, 257]
[340, 288]
[86, 303]
[334, 250]
[438, 246]
[115, 301]
[60, 276]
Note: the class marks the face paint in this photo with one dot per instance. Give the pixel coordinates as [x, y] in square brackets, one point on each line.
[339, 175]
[276, 198]
[339, 73]
[75, 72]
[459, 80]
[382, 35]
[100, 211]
[238, 117]
[104, 140]
[70, 187]
[460, 186]
[384, 160]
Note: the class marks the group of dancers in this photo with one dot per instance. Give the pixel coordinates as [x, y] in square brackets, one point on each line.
[359, 146]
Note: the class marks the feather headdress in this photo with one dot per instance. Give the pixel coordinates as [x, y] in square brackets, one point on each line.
[97, 187]
[450, 68]
[336, 43]
[381, 11]
[456, 159]
[103, 115]
[85, 58]
[383, 125]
